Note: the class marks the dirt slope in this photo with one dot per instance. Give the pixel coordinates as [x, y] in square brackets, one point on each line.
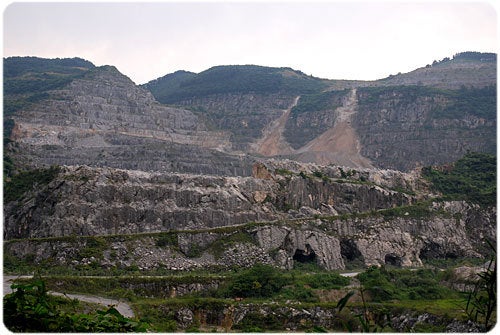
[272, 142]
[339, 144]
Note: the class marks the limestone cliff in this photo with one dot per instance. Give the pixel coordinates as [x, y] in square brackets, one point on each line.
[216, 180]
[323, 215]
[220, 117]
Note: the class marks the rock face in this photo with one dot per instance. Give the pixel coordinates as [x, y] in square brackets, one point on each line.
[207, 183]
[243, 115]
[405, 127]
[182, 222]
[102, 201]
[465, 69]
[106, 101]
[430, 116]
[101, 118]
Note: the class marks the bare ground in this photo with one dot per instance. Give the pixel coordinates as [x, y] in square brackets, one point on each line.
[338, 145]
[272, 142]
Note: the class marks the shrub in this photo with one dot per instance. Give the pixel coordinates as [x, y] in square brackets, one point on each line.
[327, 281]
[30, 309]
[260, 281]
[471, 178]
[19, 184]
[299, 293]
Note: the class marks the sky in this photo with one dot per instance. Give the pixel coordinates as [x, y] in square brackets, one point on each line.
[327, 39]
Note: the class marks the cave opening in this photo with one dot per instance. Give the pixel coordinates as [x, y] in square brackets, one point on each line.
[305, 256]
[394, 260]
[433, 250]
[350, 252]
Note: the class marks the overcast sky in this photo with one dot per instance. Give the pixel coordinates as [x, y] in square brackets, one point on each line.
[335, 40]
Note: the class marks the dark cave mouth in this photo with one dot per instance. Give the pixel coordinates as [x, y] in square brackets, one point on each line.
[305, 256]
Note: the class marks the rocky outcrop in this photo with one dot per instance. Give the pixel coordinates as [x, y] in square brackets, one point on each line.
[301, 245]
[134, 153]
[450, 73]
[103, 101]
[183, 222]
[245, 116]
[102, 201]
[403, 128]
[101, 118]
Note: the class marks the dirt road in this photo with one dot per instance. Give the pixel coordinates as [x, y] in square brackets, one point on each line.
[121, 306]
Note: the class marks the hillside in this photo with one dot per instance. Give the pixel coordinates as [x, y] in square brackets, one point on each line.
[469, 69]
[402, 127]
[249, 199]
[432, 115]
[101, 118]
[27, 80]
[232, 79]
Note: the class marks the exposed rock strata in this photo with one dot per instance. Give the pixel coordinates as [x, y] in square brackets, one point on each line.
[209, 220]
[104, 101]
[398, 129]
[103, 201]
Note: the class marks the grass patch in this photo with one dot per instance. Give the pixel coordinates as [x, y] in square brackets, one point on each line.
[19, 184]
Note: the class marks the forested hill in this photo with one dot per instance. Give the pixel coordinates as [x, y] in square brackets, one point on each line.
[233, 79]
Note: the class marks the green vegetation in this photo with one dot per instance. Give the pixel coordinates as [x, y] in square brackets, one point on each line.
[476, 56]
[167, 239]
[232, 79]
[25, 181]
[471, 178]
[30, 309]
[307, 118]
[480, 102]
[385, 291]
[406, 94]
[19, 66]
[165, 85]
[482, 300]
[27, 80]
[220, 245]
[417, 210]
[261, 281]
[384, 284]
[318, 102]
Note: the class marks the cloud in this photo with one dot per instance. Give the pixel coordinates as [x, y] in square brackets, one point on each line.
[341, 40]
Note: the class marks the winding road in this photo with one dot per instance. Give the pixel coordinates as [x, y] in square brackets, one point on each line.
[120, 306]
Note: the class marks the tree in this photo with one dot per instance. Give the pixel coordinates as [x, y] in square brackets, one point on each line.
[260, 281]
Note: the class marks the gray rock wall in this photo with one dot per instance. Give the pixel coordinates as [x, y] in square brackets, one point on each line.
[102, 201]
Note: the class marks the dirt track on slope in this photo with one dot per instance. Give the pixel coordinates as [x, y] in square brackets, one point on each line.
[272, 142]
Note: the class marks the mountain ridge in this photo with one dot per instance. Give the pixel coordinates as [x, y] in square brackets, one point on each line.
[230, 109]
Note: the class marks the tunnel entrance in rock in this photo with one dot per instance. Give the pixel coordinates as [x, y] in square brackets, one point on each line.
[433, 250]
[394, 260]
[350, 253]
[305, 256]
